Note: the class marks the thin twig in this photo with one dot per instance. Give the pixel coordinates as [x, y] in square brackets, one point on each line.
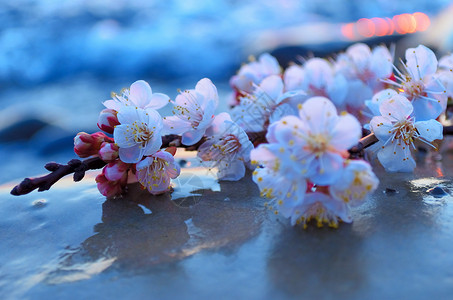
[58, 171]
[357, 150]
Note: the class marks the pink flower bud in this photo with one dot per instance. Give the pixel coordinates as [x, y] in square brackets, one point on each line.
[113, 178]
[108, 120]
[86, 145]
[108, 152]
[108, 188]
[116, 171]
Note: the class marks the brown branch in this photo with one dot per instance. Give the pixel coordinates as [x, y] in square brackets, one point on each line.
[58, 171]
[448, 130]
[357, 150]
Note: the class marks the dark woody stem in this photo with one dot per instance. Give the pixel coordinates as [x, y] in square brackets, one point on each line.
[58, 171]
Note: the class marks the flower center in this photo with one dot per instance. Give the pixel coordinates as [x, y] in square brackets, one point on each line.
[404, 130]
[141, 133]
[318, 143]
[413, 88]
[228, 144]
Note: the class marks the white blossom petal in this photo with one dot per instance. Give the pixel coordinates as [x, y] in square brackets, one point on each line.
[272, 86]
[346, 132]
[293, 77]
[397, 108]
[175, 125]
[421, 61]
[192, 137]
[328, 169]
[158, 100]
[153, 145]
[319, 113]
[140, 93]
[430, 130]
[132, 154]
[231, 171]
[123, 136]
[112, 104]
[426, 110]
[208, 90]
[381, 62]
[396, 159]
[382, 127]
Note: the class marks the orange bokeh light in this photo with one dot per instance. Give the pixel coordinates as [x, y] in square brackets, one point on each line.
[405, 23]
[381, 26]
[365, 27]
[348, 31]
[422, 21]
[402, 24]
[391, 26]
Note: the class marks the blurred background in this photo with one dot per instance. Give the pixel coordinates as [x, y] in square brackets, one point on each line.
[59, 60]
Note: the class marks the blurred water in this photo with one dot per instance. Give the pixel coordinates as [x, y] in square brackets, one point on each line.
[44, 40]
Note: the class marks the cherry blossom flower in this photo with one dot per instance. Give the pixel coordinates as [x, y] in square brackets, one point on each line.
[368, 66]
[295, 200]
[266, 105]
[293, 77]
[372, 106]
[303, 152]
[312, 145]
[140, 95]
[320, 79]
[322, 208]
[193, 112]
[419, 85]
[397, 129]
[282, 193]
[445, 74]
[227, 147]
[254, 72]
[86, 145]
[357, 182]
[317, 77]
[320, 139]
[155, 171]
[375, 102]
[364, 70]
[139, 133]
[108, 120]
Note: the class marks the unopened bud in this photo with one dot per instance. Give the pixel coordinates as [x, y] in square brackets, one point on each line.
[86, 145]
[116, 171]
[108, 120]
[108, 152]
[108, 188]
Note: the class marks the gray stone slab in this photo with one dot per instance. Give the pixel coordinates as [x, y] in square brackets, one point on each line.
[210, 240]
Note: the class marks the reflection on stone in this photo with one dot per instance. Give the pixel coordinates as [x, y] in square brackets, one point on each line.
[307, 263]
[131, 238]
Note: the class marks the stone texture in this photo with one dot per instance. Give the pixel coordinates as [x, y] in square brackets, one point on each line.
[216, 240]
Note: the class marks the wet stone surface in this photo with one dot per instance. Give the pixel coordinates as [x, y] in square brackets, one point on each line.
[210, 239]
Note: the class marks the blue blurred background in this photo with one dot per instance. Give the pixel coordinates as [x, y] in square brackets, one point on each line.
[60, 59]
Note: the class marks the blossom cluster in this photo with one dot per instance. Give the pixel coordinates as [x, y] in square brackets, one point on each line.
[292, 127]
[303, 169]
[134, 153]
[400, 106]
